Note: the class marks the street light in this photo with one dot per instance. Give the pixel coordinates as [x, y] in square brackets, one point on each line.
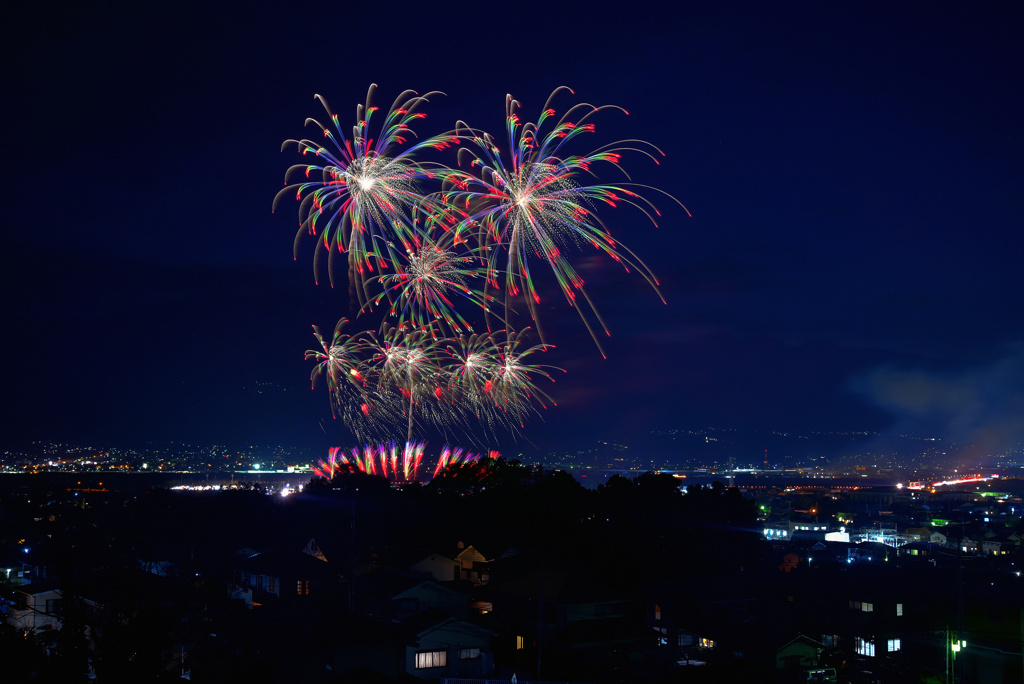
[954, 647]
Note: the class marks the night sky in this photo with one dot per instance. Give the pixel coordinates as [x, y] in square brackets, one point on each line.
[855, 173]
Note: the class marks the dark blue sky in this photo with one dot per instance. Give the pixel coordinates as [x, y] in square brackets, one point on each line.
[855, 174]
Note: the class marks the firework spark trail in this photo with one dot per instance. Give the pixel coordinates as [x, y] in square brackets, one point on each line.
[491, 377]
[405, 368]
[451, 456]
[339, 363]
[382, 383]
[514, 389]
[473, 364]
[533, 201]
[423, 240]
[394, 462]
[428, 277]
[358, 192]
[331, 466]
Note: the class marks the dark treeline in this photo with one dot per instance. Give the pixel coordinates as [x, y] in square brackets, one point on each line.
[506, 505]
[131, 625]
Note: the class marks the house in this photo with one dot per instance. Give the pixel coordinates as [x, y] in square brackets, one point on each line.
[999, 543]
[36, 608]
[919, 549]
[438, 567]
[563, 615]
[450, 648]
[473, 566]
[16, 568]
[969, 545]
[865, 615]
[799, 653]
[468, 565]
[394, 596]
[281, 574]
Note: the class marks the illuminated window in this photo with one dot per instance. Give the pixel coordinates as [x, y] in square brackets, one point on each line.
[657, 612]
[894, 645]
[707, 643]
[428, 659]
[830, 640]
[469, 653]
[519, 643]
[302, 587]
[867, 607]
[899, 610]
[865, 647]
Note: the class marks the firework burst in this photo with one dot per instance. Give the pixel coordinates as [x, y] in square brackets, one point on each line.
[407, 376]
[492, 380]
[432, 247]
[434, 274]
[536, 201]
[339, 363]
[394, 462]
[359, 191]
[514, 388]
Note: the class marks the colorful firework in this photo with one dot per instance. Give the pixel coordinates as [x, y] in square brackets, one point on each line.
[538, 201]
[430, 278]
[396, 463]
[472, 367]
[382, 383]
[387, 460]
[491, 379]
[407, 376]
[452, 456]
[358, 193]
[425, 243]
[330, 467]
[513, 388]
[339, 363]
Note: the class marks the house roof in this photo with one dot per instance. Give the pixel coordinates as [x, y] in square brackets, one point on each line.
[450, 624]
[471, 553]
[801, 639]
[284, 563]
[37, 588]
[389, 584]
